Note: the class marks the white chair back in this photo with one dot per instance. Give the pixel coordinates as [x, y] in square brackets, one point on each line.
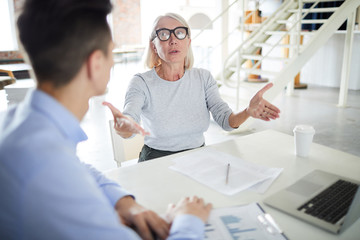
[125, 149]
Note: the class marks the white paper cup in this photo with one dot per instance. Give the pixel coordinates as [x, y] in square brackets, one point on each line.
[303, 135]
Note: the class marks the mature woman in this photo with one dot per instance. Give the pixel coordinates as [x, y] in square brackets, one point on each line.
[174, 100]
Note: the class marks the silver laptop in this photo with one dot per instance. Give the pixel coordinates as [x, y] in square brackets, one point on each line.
[308, 199]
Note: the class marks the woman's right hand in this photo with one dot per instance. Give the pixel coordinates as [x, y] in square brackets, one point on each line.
[194, 206]
[124, 125]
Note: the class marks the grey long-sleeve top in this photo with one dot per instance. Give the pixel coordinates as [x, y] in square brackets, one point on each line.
[176, 113]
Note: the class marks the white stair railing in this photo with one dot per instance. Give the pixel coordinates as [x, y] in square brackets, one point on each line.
[321, 36]
[249, 47]
[237, 28]
[299, 55]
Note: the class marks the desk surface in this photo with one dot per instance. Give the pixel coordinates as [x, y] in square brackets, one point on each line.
[155, 186]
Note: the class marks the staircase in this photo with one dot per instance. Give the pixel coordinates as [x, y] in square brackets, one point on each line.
[287, 20]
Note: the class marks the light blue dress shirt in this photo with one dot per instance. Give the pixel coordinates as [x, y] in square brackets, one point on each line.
[46, 192]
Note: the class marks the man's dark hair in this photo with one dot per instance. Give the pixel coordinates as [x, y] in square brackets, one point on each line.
[59, 35]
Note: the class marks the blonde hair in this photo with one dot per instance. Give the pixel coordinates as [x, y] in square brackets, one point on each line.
[152, 59]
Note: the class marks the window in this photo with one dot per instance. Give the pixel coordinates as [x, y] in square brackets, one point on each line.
[8, 40]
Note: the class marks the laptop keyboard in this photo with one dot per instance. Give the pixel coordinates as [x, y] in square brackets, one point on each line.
[333, 203]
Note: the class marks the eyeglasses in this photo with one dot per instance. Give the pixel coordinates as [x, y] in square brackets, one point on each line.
[164, 34]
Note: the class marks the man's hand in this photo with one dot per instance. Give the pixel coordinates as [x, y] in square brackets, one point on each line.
[194, 206]
[124, 125]
[143, 221]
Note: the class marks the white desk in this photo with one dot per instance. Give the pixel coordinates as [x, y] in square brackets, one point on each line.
[154, 185]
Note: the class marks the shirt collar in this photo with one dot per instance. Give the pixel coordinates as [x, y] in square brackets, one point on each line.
[66, 122]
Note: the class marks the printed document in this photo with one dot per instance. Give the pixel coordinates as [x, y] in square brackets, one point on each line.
[242, 222]
[210, 167]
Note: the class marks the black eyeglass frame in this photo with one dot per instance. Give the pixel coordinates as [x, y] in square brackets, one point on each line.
[173, 32]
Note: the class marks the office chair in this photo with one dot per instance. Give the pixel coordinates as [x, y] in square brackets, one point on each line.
[125, 150]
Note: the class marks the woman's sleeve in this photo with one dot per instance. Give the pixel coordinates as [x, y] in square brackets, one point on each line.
[135, 98]
[219, 109]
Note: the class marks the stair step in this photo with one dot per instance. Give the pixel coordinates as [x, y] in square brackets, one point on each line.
[312, 1]
[259, 57]
[313, 21]
[256, 71]
[290, 33]
[304, 21]
[314, 10]
[250, 26]
[271, 45]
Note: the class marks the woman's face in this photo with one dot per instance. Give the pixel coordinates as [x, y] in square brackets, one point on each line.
[173, 50]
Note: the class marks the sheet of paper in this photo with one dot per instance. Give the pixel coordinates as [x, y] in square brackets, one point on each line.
[242, 222]
[209, 167]
[261, 187]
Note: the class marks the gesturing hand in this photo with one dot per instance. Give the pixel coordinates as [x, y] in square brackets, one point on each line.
[260, 108]
[124, 125]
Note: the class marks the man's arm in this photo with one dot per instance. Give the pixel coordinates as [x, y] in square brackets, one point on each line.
[62, 201]
[186, 218]
[133, 215]
[110, 188]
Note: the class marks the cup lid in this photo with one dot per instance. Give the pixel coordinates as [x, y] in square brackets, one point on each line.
[304, 128]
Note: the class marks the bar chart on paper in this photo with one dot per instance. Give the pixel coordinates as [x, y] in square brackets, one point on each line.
[235, 229]
[233, 225]
[240, 223]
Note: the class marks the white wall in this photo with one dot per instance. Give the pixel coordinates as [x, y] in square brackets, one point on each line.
[324, 68]
[7, 25]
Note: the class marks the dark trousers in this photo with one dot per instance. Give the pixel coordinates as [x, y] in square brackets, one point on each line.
[148, 153]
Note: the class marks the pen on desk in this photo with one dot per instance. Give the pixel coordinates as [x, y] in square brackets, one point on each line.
[227, 173]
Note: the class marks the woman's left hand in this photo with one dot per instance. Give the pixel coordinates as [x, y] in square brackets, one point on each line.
[260, 108]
